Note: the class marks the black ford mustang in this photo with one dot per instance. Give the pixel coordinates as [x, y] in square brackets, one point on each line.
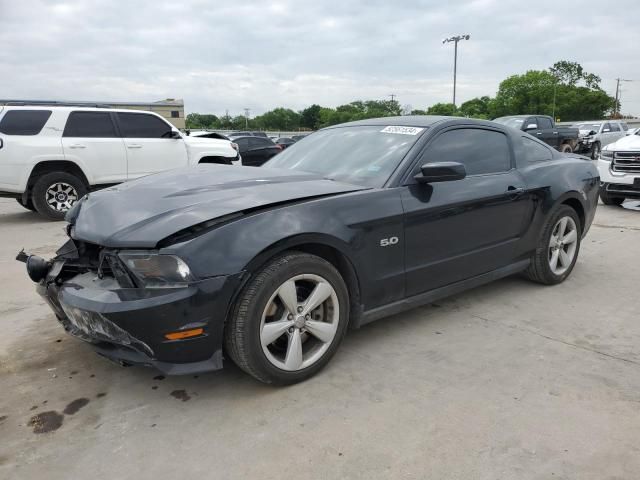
[351, 224]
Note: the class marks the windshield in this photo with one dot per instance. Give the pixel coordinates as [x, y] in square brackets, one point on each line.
[513, 122]
[588, 126]
[362, 155]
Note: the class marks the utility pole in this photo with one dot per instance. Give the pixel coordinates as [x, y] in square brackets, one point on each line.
[455, 39]
[246, 118]
[393, 97]
[616, 107]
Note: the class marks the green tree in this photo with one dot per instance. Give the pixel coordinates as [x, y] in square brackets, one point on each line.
[479, 107]
[310, 117]
[198, 120]
[448, 109]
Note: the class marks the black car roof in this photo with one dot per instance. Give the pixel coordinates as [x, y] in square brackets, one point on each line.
[415, 121]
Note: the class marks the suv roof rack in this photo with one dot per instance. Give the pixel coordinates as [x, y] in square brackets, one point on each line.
[51, 103]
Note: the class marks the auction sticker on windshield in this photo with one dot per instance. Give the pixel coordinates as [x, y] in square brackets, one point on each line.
[402, 130]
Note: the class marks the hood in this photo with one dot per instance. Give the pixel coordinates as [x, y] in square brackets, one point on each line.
[628, 143]
[204, 141]
[140, 213]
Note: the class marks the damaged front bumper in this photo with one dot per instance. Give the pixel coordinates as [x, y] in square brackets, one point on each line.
[128, 325]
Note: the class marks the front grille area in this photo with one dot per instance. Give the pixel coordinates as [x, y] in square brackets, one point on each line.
[626, 162]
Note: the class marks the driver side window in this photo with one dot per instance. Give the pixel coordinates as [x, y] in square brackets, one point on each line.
[480, 151]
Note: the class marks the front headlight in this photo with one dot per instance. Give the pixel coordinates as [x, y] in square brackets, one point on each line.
[606, 155]
[158, 271]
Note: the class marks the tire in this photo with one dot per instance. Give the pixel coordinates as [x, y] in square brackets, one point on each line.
[541, 269]
[608, 199]
[260, 306]
[28, 205]
[48, 186]
[566, 148]
[595, 151]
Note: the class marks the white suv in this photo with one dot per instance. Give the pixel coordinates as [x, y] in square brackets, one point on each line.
[619, 167]
[51, 156]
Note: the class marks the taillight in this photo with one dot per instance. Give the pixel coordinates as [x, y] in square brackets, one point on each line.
[235, 146]
[279, 147]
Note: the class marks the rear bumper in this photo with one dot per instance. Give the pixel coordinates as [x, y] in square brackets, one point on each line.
[128, 325]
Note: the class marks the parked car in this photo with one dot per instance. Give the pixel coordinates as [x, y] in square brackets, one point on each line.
[297, 138]
[207, 135]
[563, 139]
[272, 264]
[619, 167]
[50, 156]
[632, 131]
[255, 150]
[596, 134]
[285, 142]
[248, 134]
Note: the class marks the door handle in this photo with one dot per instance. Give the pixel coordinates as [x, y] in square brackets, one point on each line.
[555, 133]
[539, 133]
[134, 145]
[1, 143]
[514, 192]
[77, 145]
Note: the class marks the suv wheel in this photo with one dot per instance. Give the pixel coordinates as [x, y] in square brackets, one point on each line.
[289, 320]
[28, 205]
[608, 199]
[557, 249]
[566, 148]
[55, 193]
[595, 151]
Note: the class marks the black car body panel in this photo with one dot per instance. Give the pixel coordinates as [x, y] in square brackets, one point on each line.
[397, 246]
[142, 212]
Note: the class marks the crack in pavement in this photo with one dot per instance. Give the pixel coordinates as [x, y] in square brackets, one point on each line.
[616, 226]
[564, 342]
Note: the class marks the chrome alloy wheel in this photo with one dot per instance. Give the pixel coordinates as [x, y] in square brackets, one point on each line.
[61, 196]
[563, 245]
[299, 322]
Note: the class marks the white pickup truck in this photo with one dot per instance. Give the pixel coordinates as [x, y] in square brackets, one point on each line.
[50, 156]
[619, 168]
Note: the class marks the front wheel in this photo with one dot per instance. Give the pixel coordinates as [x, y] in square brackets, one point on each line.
[595, 151]
[608, 199]
[289, 320]
[557, 249]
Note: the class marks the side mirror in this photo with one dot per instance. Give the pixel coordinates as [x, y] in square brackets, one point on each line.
[175, 134]
[441, 172]
[531, 126]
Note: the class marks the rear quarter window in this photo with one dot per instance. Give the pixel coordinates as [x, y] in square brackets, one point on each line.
[24, 122]
[535, 152]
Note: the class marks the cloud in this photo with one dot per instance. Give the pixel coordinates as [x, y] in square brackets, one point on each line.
[261, 55]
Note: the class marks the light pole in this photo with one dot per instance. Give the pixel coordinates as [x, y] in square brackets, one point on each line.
[618, 80]
[455, 39]
[246, 119]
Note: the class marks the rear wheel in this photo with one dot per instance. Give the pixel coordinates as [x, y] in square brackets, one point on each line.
[55, 193]
[566, 148]
[28, 205]
[557, 249]
[289, 320]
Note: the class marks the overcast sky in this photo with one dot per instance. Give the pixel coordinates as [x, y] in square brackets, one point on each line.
[262, 54]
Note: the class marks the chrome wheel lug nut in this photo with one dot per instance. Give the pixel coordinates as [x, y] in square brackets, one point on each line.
[299, 309]
[290, 317]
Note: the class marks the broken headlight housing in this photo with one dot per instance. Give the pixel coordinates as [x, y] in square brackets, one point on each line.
[153, 270]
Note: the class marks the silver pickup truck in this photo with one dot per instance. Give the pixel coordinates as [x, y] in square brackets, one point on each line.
[598, 133]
